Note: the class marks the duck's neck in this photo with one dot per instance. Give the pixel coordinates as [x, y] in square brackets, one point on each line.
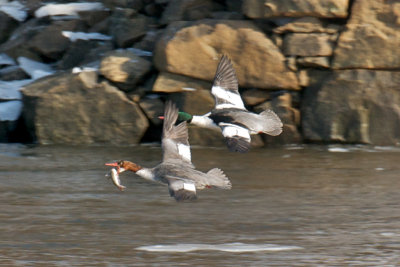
[146, 173]
[204, 121]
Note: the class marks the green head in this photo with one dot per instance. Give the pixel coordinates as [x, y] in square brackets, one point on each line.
[183, 116]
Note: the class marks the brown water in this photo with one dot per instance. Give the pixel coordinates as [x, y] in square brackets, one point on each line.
[288, 207]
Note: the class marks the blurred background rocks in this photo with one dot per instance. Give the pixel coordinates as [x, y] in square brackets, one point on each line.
[100, 72]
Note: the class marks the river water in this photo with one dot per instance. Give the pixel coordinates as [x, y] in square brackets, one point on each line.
[290, 206]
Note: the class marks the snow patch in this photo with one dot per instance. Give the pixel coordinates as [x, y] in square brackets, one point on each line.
[10, 90]
[73, 36]
[10, 110]
[14, 9]
[71, 9]
[83, 69]
[6, 60]
[34, 68]
[140, 52]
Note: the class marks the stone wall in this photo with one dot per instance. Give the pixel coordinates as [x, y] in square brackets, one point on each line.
[328, 68]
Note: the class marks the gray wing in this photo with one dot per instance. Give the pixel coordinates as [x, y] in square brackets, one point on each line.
[225, 86]
[181, 189]
[175, 140]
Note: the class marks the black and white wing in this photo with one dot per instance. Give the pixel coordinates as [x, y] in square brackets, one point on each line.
[225, 86]
[181, 189]
[237, 138]
[175, 140]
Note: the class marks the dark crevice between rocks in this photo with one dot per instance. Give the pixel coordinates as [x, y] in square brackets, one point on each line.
[20, 133]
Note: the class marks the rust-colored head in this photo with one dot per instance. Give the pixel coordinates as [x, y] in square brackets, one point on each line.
[124, 165]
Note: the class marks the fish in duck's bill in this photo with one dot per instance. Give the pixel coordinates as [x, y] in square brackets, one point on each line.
[176, 169]
[115, 178]
[230, 115]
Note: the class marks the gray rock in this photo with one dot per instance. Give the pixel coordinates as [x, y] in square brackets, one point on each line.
[7, 25]
[178, 10]
[128, 28]
[353, 106]
[75, 109]
[50, 42]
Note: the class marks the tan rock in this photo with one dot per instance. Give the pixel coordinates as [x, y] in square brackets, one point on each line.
[75, 109]
[353, 106]
[254, 97]
[197, 102]
[169, 82]
[314, 62]
[307, 44]
[372, 37]
[307, 25]
[295, 8]
[124, 68]
[194, 49]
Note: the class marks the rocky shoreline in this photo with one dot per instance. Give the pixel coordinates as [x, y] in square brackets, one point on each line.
[100, 72]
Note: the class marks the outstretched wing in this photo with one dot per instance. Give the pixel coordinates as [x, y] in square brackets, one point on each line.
[181, 189]
[237, 138]
[175, 140]
[225, 86]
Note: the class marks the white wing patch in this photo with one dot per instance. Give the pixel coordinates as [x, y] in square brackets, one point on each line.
[230, 130]
[234, 100]
[184, 151]
[189, 187]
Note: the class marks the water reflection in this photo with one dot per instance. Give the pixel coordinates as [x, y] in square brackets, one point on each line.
[340, 206]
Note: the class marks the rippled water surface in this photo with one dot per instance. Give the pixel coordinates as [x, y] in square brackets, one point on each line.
[293, 206]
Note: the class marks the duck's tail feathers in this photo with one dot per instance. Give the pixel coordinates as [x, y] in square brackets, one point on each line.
[272, 124]
[217, 178]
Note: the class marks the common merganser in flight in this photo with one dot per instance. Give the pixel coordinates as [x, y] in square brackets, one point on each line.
[230, 114]
[176, 169]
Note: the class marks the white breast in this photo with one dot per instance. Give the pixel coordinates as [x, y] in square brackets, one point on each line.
[146, 174]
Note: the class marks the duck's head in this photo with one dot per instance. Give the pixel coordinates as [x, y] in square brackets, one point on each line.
[124, 165]
[182, 116]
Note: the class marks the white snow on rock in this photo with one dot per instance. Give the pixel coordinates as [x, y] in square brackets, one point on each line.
[10, 110]
[140, 52]
[14, 9]
[73, 36]
[70, 9]
[9, 90]
[6, 60]
[33, 68]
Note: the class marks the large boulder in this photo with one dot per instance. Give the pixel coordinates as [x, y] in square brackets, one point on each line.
[353, 106]
[194, 49]
[295, 8]
[75, 109]
[372, 37]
